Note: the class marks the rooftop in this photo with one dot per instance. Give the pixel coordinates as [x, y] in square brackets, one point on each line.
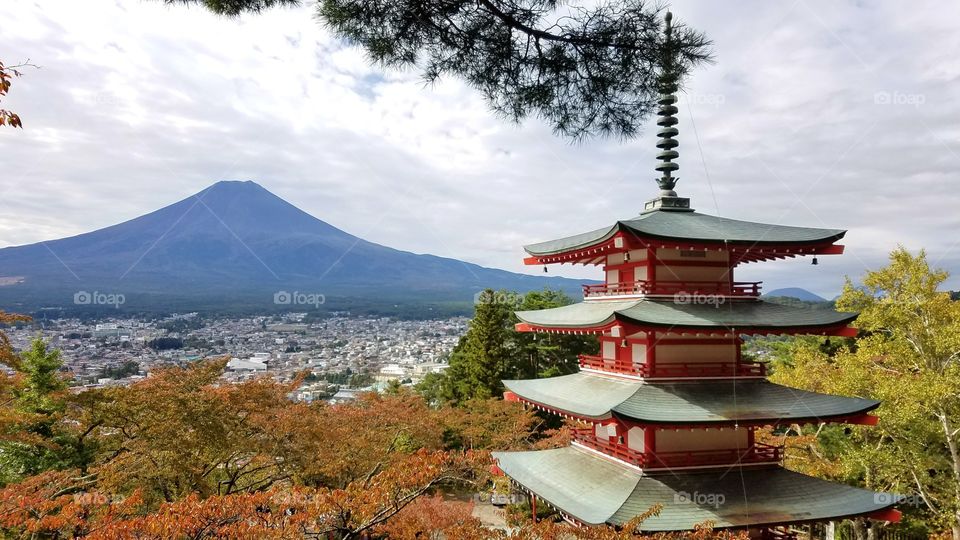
[666, 224]
[733, 315]
[595, 490]
[698, 402]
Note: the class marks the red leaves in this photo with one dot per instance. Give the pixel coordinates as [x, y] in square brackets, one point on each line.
[8, 118]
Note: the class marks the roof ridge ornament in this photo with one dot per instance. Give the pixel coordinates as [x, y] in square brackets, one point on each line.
[668, 85]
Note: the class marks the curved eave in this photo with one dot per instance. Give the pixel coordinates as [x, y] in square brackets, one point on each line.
[573, 243]
[577, 395]
[594, 490]
[692, 228]
[593, 397]
[830, 236]
[743, 401]
[742, 317]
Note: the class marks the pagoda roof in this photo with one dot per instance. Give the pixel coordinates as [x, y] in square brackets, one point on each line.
[594, 490]
[739, 315]
[691, 226]
[698, 402]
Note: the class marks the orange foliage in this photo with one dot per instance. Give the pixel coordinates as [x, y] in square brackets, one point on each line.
[181, 455]
[428, 515]
[7, 74]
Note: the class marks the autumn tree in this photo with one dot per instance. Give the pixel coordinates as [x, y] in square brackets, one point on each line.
[586, 70]
[907, 357]
[7, 75]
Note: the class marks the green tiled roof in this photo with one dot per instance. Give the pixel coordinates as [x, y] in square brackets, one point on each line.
[693, 226]
[693, 402]
[596, 490]
[757, 314]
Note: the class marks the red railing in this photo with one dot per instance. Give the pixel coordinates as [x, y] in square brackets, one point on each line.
[608, 364]
[588, 438]
[739, 288]
[677, 370]
[705, 369]
[758, 453]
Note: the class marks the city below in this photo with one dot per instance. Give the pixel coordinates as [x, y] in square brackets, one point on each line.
[340, 355]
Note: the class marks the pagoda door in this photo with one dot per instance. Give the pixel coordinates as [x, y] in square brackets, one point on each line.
[613, 280]
[638, 352]
[609, 352]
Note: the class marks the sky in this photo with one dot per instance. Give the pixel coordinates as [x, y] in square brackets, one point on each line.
[825, 113]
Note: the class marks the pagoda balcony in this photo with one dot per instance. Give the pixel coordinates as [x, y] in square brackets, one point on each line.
[675, 370]
[758, 453]
[749, 289]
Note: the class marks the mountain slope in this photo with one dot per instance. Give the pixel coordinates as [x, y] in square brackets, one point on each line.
[237, 239]
[798, 293]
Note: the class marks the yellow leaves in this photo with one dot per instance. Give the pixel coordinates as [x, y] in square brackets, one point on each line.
[907, 358]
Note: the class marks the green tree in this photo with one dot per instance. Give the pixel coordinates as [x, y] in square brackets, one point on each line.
[492, 349]
[586, 70]
[907, 357]
[486, 353]
[35, 439]
[548, 355]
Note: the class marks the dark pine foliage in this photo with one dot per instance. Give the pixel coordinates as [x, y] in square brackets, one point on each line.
[585, 70]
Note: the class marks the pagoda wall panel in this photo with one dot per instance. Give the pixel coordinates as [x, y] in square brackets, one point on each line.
[672, 354]
[693, 273]
[691, 440]
[668, 254]
[620, 258]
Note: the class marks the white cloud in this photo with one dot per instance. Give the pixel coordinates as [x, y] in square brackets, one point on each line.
[138, 105]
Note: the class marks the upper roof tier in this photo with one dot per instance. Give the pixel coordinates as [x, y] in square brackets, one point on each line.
[688, 229]
[593, 490]
[701, 402]
[672, 316]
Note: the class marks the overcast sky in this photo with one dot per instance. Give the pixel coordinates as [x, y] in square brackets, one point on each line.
[817, 113]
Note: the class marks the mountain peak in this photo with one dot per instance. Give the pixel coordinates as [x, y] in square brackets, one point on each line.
[235, 185]
[236, 237]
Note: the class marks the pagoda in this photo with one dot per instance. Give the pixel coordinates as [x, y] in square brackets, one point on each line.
[669, 408]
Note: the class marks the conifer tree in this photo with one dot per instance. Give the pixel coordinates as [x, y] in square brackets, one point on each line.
[586, 70]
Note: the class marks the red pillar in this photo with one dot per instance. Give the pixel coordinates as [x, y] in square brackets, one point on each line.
[651, 351]
[649, 440]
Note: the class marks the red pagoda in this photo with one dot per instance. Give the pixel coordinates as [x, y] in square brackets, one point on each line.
[669, 407]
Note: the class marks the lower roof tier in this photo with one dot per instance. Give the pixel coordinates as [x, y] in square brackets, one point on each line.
[717, 401]
[665, 315]
[594, 490]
